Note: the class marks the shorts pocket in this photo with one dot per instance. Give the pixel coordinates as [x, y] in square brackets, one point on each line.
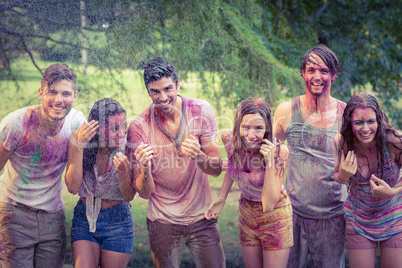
[6, 213]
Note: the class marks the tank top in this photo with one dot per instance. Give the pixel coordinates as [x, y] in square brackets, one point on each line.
[311, 167]
[376, 218]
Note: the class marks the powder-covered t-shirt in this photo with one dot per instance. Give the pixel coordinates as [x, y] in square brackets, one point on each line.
[32, 176]
[182, 193]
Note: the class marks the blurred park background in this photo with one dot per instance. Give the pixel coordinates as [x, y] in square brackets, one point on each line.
[225, 51]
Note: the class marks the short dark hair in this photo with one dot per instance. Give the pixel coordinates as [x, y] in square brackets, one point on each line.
[326, 55]
[158, 68]
[57, 72]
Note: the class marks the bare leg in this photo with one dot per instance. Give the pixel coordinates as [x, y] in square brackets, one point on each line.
[391, 257]
[361, 258]
[276, 258]
[113, 259]
[252, 256]
[85, 254]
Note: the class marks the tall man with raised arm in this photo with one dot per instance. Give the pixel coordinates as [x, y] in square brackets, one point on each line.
[33, 153]
[309, 123]
[174, 148]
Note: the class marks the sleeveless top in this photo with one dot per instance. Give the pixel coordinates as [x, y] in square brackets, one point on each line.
[96, 187]
[376, 218]
[311, 167]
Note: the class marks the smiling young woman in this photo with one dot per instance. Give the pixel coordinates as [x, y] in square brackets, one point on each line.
[369, 160]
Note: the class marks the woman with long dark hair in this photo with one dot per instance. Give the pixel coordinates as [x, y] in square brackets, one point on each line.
[369, 160]
[257, 164]
[102, 232]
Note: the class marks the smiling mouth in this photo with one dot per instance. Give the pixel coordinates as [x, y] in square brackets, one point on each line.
[58, 108]
[317, 85]
[164, 104]
[366, 135]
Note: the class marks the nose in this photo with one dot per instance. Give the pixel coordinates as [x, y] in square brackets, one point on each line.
[59, 98]
[365, 126]
[250, 133]
[163, 96]
[317, 75]
[122, 131]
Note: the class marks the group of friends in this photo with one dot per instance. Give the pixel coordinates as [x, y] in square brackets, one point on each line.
[342, 164]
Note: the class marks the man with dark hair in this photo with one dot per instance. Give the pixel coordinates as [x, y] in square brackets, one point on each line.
[33, 153]
[309, 123]
[173, 144]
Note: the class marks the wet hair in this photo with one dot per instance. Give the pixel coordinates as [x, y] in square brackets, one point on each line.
[326, 55]
[57, 72]
[158, 68]
[100, 112]
[365, 100]
[252, 106]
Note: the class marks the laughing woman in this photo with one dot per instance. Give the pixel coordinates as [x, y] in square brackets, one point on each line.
[102, 232]
[369, 160]
[258, 166]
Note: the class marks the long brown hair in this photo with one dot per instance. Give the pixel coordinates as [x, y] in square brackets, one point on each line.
[365, 100]
[249, 106]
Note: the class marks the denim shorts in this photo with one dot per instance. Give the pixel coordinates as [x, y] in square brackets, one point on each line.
[114, 227]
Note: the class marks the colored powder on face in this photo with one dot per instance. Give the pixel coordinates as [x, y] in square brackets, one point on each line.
[25, 181]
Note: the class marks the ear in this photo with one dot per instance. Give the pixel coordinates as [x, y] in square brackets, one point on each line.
[75, 95]
[333, 78]
[302, 74]
[40, 91]
[178, 86]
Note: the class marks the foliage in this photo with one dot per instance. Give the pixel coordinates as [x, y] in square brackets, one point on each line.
[251, 48]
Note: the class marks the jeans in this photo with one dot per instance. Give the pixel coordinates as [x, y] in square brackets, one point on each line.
[202, 238]
[32, 238]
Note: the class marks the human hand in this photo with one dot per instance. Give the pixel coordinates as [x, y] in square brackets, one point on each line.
[285, 193]
[215, 208]
[348, 166]
[121, 162]
[268, 151]
[191, 147]
[380, 188]
[86, 132]
[144, 153]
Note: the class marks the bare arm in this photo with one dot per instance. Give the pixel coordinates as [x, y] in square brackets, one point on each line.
[4, 156]
[282, 118]
[78, 140]
[217, 205]
[274, 175]
[207, 155]
[125, 176]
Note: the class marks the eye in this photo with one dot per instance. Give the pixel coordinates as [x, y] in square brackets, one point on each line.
[371, 121]
[66, 93]
[324, 71]
[359, 123]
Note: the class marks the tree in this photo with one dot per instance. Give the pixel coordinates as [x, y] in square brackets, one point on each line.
[252, 48]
